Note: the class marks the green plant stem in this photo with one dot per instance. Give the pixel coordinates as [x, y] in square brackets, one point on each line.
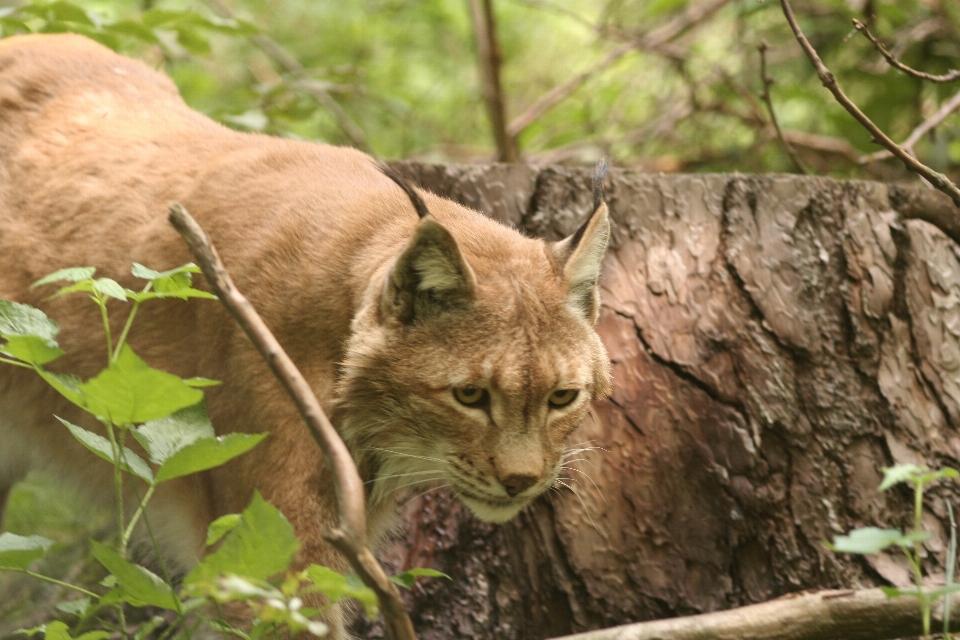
[66, 585]
[118, 484]
[16, 363]
[915, 556]
[129, 323]
[106, 323]
[136, 515]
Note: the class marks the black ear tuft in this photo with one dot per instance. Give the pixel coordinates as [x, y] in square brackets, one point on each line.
[599, 176]
[415, 198]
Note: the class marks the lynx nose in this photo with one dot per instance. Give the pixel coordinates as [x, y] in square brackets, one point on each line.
[517, 483]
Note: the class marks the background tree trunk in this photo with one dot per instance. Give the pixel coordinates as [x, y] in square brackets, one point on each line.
[775, 341]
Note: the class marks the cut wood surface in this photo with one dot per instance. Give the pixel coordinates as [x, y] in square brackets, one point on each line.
[775, 340]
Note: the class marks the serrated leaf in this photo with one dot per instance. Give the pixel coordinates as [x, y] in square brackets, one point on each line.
[32, 631]
[76, 607]
[129, 391]
[99, 445]
[18, 319]
[163, 437]
[409, 578]
[16, 552]
[135, 580]
[867, 540]
[68, 386]
[899, 473]
[110, 288]
[70, 274]
[31, 349]
[84, 286]
[338, 587]
[207, 453]
[221, 527]
[261, 545]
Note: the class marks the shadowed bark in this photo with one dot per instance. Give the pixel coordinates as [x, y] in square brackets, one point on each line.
[775, 341]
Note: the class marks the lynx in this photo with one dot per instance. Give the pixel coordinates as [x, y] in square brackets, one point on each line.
[449, 349]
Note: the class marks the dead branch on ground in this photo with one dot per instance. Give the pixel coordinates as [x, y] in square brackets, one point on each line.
[825, 615]
[350, 535]
[490, 58]
[829, 81]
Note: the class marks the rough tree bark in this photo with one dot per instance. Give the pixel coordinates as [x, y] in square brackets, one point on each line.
[775, 341]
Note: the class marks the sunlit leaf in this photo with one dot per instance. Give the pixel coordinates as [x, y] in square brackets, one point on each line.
[207, 453]
[867, 540]
[70, 274]
[900, 473]
[409, 578]
[129, 391]
[16, 552]
[221, 527]
[338, 587]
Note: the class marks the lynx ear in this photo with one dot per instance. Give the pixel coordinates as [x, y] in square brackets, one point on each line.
[581, 255]
[429, 276]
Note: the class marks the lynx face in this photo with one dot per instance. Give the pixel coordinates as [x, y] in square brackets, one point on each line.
[472, 378]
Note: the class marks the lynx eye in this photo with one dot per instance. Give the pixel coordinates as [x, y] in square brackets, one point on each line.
[562, 398]
[471, 396]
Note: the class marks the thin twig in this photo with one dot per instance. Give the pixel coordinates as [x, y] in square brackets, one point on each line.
[935, 178]
[490, 58]
[865, 614]
[945, 110]
[656, 38]
[292, 66]
[350, 535]
[950, 76]
[765, 96]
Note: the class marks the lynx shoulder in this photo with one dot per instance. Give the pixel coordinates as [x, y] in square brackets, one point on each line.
[449, 349]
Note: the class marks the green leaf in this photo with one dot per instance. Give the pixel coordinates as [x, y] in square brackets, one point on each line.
[95, 635]
[68, 386]
[163, 437]
[338, 587]
[891, 592]
[409, 578]
[31, 349]
[76, 607]
[129, 391]
[99, 445]
[134, 30]
[866, 540]
[261, 545]
[192, 41]
[146, 630]
[174, 283]
[206, 454]
[70, 274]
[56, 630]
[16, 552]
[135, 580]
[109, 288]
[18, 319]
[900, 473]
[64, 11]
[221, 527]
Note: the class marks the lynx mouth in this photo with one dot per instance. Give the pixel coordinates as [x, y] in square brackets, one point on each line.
[495, 511]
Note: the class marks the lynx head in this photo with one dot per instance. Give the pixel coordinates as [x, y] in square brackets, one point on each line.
[472, 359]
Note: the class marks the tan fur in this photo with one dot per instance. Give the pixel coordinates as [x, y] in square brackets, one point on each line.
[384, 313]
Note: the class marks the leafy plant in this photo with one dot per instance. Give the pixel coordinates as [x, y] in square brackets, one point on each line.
[869, 540]
[167, 417]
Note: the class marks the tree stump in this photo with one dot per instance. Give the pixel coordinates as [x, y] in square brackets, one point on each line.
[775, 341]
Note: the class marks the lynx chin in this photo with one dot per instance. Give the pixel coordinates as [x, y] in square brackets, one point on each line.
[448, 349]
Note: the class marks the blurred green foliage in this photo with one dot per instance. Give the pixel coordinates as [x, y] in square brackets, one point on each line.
[406, 73]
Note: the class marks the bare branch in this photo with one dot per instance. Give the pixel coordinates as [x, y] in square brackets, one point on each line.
[350, 535]
[292, 66]
[826, 615]
[893, 62]
[765, 96]
[935, 178]
[656, 38]
[945, 110]
[490, 58]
